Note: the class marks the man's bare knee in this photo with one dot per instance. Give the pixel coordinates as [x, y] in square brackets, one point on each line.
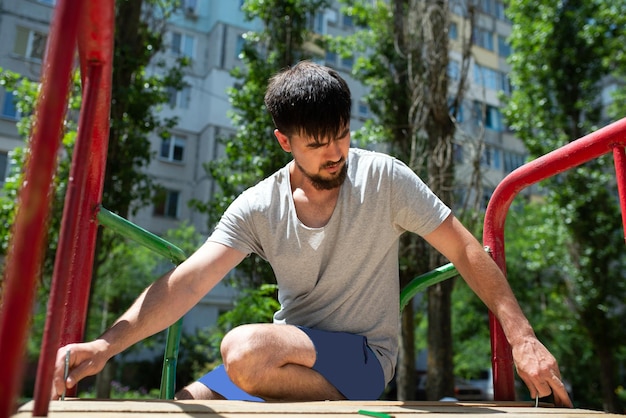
[198, 391]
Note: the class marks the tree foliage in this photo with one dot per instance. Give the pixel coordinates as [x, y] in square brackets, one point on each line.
[563, 53]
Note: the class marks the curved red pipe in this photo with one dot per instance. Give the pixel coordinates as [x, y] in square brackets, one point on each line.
[569, 156]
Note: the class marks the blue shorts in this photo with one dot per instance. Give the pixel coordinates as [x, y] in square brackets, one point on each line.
[344, 359]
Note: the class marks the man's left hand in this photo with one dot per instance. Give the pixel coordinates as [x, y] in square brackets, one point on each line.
[540, 371]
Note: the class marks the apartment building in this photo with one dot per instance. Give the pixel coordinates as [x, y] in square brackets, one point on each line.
[210, 33]
[23, 31]
[482, 134]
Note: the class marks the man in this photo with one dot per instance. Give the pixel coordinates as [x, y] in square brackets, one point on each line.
[328, 223]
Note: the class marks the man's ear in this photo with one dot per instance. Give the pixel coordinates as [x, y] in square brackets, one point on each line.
[283, 140]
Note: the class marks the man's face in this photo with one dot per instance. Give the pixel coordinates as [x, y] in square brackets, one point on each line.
[323, 163]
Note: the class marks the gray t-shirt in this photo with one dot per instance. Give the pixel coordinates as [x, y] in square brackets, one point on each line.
[343, 276]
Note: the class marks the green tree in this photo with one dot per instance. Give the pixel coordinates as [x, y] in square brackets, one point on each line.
[252, 152]
[563, 51]
[405, 55]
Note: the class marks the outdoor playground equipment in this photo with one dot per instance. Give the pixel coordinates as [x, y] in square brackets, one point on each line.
[90, 25]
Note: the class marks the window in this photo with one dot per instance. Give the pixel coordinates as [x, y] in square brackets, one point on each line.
[486, 77]
[454, 72]
[189, 9]
[453, 31]
[491, 157]
[487, 193]
[458, 153]
[179, 98]
[323, 19]
[331, 58]
[458, 8]
[487, 6]
[347, 62]
[456, 110]
[173, 148]
[189, 5]
[347, 21]
[504, 49]
[492, 117]
[500, 14]
[512, 160]
[239, 47]
[483, 38]
[363, 109]
[183, 44]
[491, 79]
[30, 44]
[9, 109]
[166, 203]
[4, 166]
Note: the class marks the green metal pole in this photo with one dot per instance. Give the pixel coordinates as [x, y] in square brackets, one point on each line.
[170, 360]
[421, 282]
[176, 255]
[140, 235]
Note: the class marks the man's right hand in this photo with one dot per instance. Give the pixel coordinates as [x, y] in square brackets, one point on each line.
[85, 359]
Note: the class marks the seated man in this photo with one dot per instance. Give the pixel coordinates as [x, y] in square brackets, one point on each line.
[328, 223]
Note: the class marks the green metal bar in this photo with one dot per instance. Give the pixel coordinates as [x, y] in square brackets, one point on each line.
[140, 235]
[421, 282]
[170, 360]
[176, 255]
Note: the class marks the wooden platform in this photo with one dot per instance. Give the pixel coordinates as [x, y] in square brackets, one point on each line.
[75, 408]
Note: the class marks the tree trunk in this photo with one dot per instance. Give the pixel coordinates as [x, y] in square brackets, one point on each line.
[405, 377]
[103, 381]
[599, 329]
[611, 401]
[440, 377]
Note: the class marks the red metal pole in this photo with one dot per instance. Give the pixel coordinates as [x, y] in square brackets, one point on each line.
[66, 250]
[619, 157]
[571, 155]
[95, 47]
[25, 256]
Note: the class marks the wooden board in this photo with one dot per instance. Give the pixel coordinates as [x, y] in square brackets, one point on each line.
[75, 408]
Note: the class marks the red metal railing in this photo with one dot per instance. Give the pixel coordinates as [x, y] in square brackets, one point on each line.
[91, 24]
[609, 139]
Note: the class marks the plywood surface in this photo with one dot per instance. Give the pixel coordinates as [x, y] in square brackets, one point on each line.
[75, 408]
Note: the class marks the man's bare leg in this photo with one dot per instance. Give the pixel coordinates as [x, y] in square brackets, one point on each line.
[274, 362]
[197, 390]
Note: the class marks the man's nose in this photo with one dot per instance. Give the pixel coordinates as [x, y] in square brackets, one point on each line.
[333, 151]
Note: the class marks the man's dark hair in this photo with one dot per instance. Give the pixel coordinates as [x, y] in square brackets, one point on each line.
[311, 100]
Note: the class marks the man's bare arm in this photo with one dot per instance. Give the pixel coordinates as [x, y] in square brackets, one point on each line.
[160, 305]
[535, 365]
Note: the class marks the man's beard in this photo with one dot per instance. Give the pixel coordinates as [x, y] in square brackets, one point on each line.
[321, 183]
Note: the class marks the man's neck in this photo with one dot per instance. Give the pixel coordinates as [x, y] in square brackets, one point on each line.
[314, 206]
